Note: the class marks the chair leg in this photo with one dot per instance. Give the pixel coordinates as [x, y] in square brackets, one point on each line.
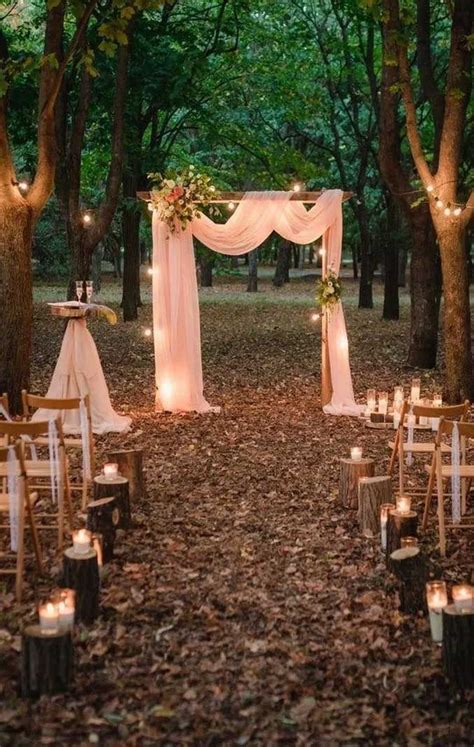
[394, 454]
[401, 468]
[429, 492]
[85, 492]
[35, 538]
[441, 526]
[20, 559]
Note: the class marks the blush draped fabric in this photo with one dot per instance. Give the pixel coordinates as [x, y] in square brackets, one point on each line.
[179, 382]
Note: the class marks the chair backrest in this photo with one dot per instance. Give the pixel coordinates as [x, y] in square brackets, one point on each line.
[452, 412]
[6, 450]
[16, 429]
[466, 430]
[4, 404]
[48, 403]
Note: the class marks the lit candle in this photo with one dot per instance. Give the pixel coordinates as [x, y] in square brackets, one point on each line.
[415, 390]
[403, 504]
[111, 470]
[81, 541]
[356, 453]
[383, 403]
[437, 600]
[408, 542]
[371, 400]
[463, 596]
[49, 617]
[385, 509]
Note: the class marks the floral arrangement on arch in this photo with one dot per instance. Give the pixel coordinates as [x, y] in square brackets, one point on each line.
[180, 197]
[329, 290]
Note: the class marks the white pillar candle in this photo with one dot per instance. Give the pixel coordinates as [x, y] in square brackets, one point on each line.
[408, 542]
[383, 403]
[396, 419]
[356, 453]
[111, 470]
[385, 508]
[415, 390]
[371, 400]
[66, 615]
[398, 395]
[437, 402]
[463, 596]
[403, 504]
[437, 599]
[81, 541]
[49, 617]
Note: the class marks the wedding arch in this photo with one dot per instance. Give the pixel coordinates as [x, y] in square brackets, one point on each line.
[176, 321]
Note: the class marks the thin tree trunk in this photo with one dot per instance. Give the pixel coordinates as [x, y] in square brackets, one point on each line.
[131, 262]
[366, 265]
[207, 263]
[355, 267]
[80, 257]
[16, 301]
[424, 291]
[252, 285]
[391, 306]
[282, 264]
[402, 264]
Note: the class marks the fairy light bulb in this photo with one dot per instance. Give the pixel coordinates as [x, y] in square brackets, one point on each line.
[439, 204]
[296, 187]
[457, 211]
[315, 317]
[447, 211]
[429, 188]
[322, 252]
[23, 186]
[87, 219]
[147, 332]
[231, 206]
[150, 271]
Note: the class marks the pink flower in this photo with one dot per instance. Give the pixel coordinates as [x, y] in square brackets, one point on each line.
[175, 194]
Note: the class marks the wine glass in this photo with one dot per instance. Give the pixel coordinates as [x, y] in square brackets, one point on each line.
[79, 289]
[89, 290]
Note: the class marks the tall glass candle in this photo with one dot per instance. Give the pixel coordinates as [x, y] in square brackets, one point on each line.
[408, 541]
[385, 509]
[415, 390]
[81, 541]
[463, 596]
[398, 395]
[111, 470]
[371, 400]
[437, 600]
[403, 504]
[437, 402]
[383, 403]
[356, 453]
[49, 617]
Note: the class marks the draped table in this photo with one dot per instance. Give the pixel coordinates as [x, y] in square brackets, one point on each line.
[176, 325]
[78, 372]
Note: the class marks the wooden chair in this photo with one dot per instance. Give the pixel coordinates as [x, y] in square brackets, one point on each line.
[440, 471]
[25, 507]
[4, 406]
[39, 470]
[401, 448]
[33, 402]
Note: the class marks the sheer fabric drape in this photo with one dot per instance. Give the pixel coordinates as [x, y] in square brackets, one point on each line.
[179, 382]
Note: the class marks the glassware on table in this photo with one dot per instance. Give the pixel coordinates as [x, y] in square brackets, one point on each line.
[79, 289]
[89, 290]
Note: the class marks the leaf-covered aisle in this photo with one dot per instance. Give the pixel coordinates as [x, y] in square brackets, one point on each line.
[245, 608]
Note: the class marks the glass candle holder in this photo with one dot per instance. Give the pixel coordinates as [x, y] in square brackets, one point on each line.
[49, 617]
[383, 403]
[65, 600]
[81, 541]
[403, 504]
[463, 596]
[415, 390]
[371, 400]
[385, 509]
[408, 541]
[398, 395]
[356, 453]
[437, 600]
[111, 470]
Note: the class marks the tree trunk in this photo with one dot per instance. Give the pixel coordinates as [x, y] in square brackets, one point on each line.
[96, 269]
[391, 305]
[366, 264]
[252, 286]
[282, 269]
[456, 312]
[80, 257]
[402, 264]
[131, 262]
[207, 263]
[425, 291]
[16, 291]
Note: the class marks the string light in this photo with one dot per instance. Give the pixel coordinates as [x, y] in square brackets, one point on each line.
[147, 332]
[315, 317]
[231, 205]
[150, 271]
[439, 204]
[296, 187]
[322, 252]
[87, 219]
[23, 186]
[457, 211]
[447, 211]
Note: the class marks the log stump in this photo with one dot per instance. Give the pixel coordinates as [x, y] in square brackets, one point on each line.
[47, 662]
[103, 518]
[351, 471]
[398, 526]
[118, 489]
[411, 569]
[130, 464]
[373, 492]
[81, 573]
[458, 646]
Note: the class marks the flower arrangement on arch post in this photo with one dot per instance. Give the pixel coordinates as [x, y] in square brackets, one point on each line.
[329, 291]
[179, 197]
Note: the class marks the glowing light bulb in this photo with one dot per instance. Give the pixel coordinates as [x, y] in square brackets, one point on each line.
[457, 211]
[87, 219]
[150, 207]
[322, 252]
[439, 204]
[447, 211]
[166, 390]
[315, 317]
[231, 206]
[150, 271]
[297, 187]
[147, 332]
[23, 186]
[429, 188]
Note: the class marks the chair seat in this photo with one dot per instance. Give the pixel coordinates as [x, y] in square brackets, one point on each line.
[419, 447]
[34, 468]
[68, 441]
[4, 502]
[465, 470]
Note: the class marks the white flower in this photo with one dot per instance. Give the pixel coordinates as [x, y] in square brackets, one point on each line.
[212, 189]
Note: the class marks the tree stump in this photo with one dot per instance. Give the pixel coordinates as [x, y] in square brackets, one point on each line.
[373, 492]
[351, 471]
[410, 567]
[398, 526]
[81, 573]
[118, 488]
[458, 646]
[103, 518]
[47, 662]
[130, 463]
